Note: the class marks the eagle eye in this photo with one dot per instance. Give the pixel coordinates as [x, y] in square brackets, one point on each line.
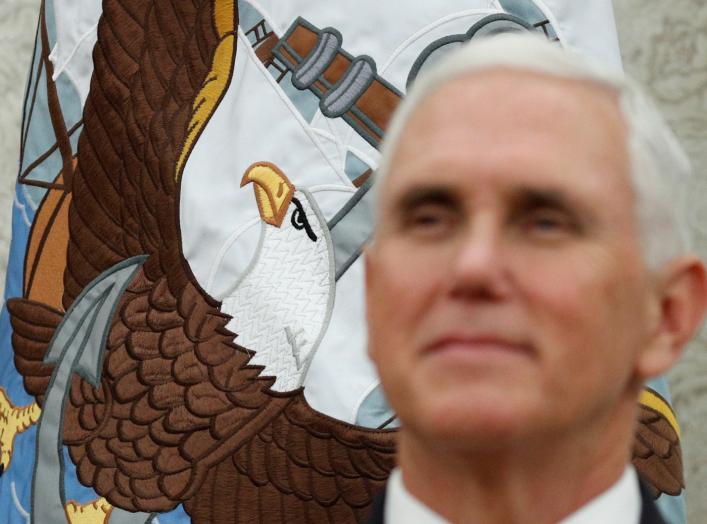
[299, 220]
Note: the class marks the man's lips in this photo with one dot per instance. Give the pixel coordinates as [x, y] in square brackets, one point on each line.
[477, 344]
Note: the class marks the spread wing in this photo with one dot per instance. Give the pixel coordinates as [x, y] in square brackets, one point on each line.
[302, 467]
[150, 62]
[180, 416]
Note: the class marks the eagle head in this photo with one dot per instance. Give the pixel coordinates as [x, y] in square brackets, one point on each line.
[282, 304]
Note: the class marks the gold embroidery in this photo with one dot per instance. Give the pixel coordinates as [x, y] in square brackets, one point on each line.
[13, 420]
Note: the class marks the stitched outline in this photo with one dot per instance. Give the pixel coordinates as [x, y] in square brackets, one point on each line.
[18, 505]
[232, 239]
[500, 17]
[358, 195]
[23, 209]
[461, 38]
[426, 29]
[61, 69]
[427, 51]
[253, 261]
[359, 402]
[257, 6]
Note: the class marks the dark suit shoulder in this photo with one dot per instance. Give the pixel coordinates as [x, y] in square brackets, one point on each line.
[377, 509]
[650, 514]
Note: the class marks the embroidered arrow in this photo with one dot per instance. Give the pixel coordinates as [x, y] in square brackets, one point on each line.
[76, 347]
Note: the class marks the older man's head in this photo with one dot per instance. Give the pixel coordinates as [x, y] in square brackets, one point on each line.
[527, 272]
[660, 168]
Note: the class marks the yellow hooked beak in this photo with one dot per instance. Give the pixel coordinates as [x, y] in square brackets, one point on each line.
[273, 191]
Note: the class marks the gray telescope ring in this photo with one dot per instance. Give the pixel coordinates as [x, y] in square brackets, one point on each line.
[344, 94]
[314, 65]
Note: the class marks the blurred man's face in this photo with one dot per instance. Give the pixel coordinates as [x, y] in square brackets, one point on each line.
[507, 293]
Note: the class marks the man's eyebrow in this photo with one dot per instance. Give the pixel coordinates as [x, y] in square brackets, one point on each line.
[428, 195]
[531, 198]
[528, 198]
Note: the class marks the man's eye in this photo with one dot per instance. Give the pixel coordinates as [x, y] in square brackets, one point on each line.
[430, 220]
[547, 223]
[426, 219]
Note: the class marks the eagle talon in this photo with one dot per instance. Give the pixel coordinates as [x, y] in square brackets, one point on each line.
[96, 512]
[13, 421]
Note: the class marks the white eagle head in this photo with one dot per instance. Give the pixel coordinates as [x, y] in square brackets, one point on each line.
[282, 303]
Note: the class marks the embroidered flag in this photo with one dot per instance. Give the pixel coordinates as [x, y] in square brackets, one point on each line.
[184, 333]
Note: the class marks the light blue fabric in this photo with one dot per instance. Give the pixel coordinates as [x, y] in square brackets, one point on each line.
[376, 412]
[16, 482]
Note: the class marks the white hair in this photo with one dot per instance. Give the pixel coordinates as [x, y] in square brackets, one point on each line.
[660, 169]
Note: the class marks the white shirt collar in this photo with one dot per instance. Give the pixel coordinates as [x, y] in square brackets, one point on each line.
[402, 508]
[620, 504]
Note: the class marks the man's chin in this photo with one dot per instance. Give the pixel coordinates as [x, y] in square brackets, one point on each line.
[479, 425]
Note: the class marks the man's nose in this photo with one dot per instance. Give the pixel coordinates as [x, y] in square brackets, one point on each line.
[479, 268]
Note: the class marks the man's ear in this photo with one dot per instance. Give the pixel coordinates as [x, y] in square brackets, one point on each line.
[682, 302]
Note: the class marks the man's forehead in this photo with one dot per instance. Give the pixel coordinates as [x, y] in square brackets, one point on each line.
[503, 113]
[503, 86]
[471, 105]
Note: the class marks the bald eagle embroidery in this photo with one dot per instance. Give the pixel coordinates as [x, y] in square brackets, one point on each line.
[198, 402]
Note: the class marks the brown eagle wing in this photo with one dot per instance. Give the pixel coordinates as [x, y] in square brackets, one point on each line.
[177, 397]
[181, 417]
[179, 407]
[302, 467]
[150, 61]
[33, 325]
[657, 454]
